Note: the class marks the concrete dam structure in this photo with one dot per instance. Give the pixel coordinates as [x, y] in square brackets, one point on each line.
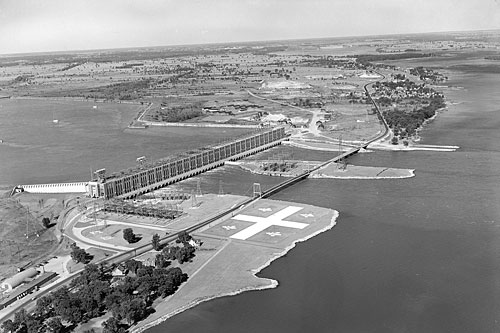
[157, 174]
[75, 187]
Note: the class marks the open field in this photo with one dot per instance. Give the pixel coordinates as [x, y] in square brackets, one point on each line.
[226, 263]
[210, 87]
[317, 86]
[18, 215]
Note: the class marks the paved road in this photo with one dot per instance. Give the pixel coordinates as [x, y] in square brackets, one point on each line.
[386, 126]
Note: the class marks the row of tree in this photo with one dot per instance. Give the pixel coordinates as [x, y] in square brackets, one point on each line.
[405, 124]
[94, 293]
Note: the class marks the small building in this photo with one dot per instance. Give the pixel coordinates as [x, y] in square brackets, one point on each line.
[28, 287]
[18, 279]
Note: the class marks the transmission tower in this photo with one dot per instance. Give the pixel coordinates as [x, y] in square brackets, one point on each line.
[221, 190]
[27, 224]
[94, 211]
[257, 191]
[194, 202]
[198, 188]
[343, 162]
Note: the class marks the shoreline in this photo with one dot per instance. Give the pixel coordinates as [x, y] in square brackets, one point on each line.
[411, 175]
[332, 171]
[76, 99]
[272, 283]
[352, 171]
[390, 147]
[257, 171]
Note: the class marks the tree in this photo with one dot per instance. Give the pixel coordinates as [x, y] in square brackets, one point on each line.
[183, 237]
[133, 310]
[44, 306]
[161, 261]
[91, 272]
[79, 255]
[46, 222]
[133, 265]
[54, 325]
[177, 276]
[181, 254]
[9, 326]
[156, 242]
[67, 305]
[112, 325]
[23, 322]
[129, 236]
[34, 324]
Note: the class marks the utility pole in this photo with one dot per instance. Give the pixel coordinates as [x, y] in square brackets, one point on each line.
[27, 225]
[340, 144]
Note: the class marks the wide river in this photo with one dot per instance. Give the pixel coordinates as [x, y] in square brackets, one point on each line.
[410, 255]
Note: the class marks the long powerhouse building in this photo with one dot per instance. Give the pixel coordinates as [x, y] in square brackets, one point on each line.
[163, 173]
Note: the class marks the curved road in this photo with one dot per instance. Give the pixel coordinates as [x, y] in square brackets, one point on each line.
[386, 126]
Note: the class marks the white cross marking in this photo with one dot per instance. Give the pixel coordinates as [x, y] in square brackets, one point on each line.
[262, 223]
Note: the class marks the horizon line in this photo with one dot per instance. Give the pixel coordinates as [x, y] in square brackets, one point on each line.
[90, 50]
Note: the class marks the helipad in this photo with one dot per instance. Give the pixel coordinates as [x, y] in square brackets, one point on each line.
[266, 221]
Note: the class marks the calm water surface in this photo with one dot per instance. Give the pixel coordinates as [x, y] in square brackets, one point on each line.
[414, 255]
[34, 150]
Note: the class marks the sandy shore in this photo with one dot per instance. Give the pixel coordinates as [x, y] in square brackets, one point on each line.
[232, 266]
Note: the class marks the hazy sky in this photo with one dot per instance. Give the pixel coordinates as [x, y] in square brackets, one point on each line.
[53, 25]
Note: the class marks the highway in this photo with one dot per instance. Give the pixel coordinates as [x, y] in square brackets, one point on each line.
[123, 256]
